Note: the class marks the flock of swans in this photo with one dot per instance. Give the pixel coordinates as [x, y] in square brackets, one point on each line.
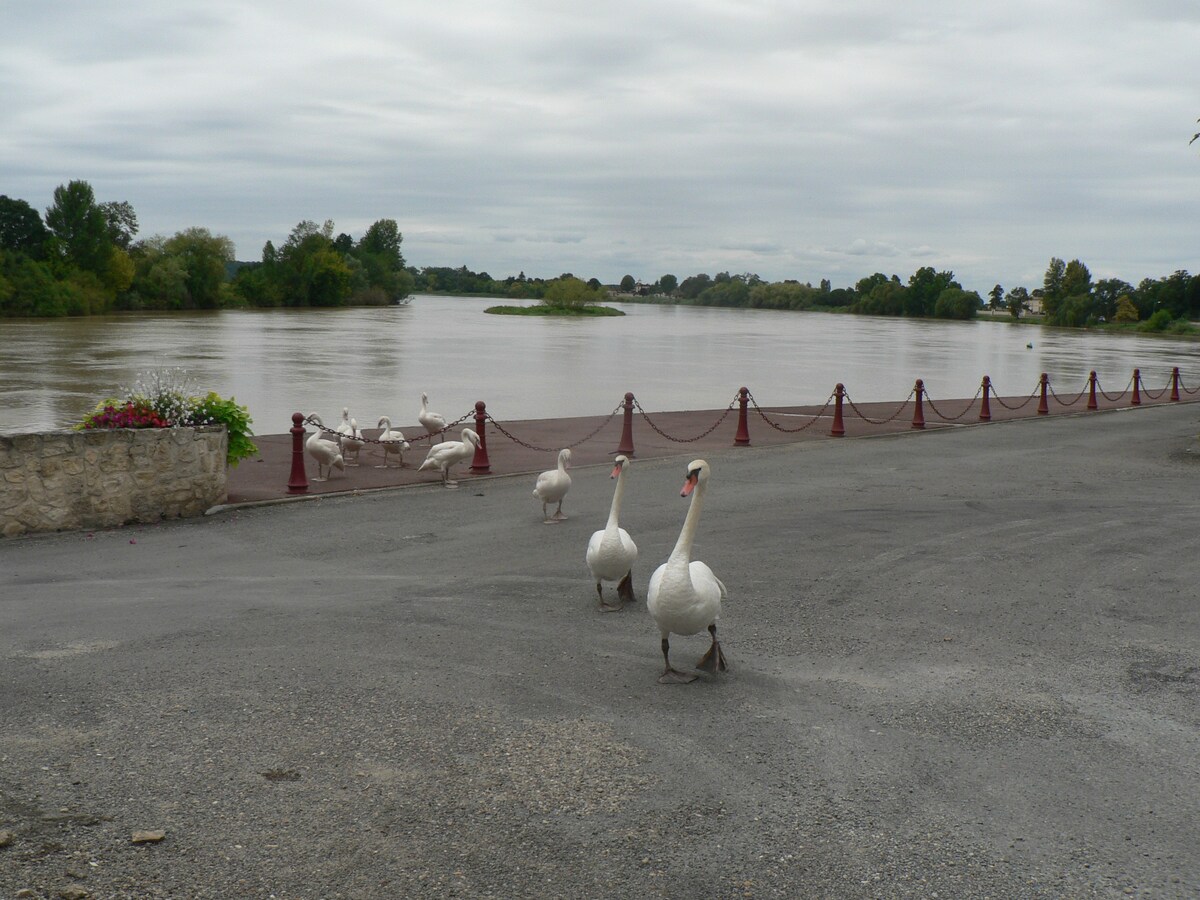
[330, 454]
[684, 596]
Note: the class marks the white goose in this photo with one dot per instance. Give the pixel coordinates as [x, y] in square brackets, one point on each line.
[433, 423]
[327, 453]
[446, 455]
[611, 552]
[685, 596]
[392, 441]
[352, 442]
[552, 487]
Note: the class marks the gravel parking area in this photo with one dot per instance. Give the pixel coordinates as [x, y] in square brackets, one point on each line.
[963, 664]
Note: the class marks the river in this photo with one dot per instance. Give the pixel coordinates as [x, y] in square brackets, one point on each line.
[377, 361]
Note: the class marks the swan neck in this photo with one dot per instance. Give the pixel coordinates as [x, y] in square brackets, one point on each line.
[614, 514]
[683, 547]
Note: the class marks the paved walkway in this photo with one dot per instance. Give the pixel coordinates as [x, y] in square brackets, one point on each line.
[527, 446]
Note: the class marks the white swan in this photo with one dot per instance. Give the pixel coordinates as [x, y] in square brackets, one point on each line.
[433, 423]
[611, 552]
[552, 487]
[327, 453]
[685, 596]
[392, 441]
[351, 442]
[446, 455]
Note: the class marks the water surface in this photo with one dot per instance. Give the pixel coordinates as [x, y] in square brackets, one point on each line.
[377, 361]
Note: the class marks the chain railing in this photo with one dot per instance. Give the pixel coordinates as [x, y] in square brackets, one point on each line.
[966, 409]
[715, 425]
[528, 446]
[1032, 396]
[1115, 397]
[858, 412]
[745, 399]
[815, 416]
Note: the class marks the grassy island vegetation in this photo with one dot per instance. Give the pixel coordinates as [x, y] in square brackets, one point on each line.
[82, 258]
[565, 296]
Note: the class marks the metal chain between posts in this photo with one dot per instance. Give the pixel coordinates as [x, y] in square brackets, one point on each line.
[516, 440]
[929, 400]
[890, 418]
[1115, 397]
[715, 425]
[1146, 392]
[1020, 405]
[1078, 397]
[758, 409]
[1195, 390]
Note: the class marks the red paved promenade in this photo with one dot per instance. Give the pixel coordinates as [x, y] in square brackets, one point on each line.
[530, 446]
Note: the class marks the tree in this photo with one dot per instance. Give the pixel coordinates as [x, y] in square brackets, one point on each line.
[79, 225]
[21, 228]
[628, 284]
[995, 296]
[955, 303]
[383, 238]
[204, 256]
[1126, 311]
[924, 288]
[120, 222]
[1076, 280]
[1018, 301]
[570, 292]
[668, 283]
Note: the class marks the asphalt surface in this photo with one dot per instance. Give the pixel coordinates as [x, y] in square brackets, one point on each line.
[963, 663]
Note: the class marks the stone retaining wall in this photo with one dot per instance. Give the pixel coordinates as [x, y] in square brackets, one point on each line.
[68, 480]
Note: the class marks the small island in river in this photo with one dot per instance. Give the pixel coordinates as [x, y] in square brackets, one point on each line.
[543, 310]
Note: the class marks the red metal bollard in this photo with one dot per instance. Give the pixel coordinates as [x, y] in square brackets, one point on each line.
[1092, 390]
[985, 410]
[626, 446]
[1175, 383]
[479, 463]
[298, 482]
[838, 429]
[1137, 397]
[919, 413]
[1044, 407]
[743, 430]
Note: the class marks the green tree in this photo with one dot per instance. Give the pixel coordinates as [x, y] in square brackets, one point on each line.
[628, 284]
[1126, 311]
[955, 303]
[22, 229]
[1052, 286]
[668, 283]
[569, 292]
[204, 256]
[924, 288]
[995, 296]
[1018, 301]
[79, 226]
[120, 222]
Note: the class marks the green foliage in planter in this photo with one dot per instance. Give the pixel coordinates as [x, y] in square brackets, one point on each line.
[212, 409]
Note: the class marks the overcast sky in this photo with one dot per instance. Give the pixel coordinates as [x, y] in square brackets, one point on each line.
[807, 139]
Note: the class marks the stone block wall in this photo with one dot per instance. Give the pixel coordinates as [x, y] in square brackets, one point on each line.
[69, 480]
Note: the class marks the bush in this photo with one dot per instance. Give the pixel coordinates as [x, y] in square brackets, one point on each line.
[164, 399]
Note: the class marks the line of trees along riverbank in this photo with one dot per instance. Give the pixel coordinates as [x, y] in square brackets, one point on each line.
[82, 258]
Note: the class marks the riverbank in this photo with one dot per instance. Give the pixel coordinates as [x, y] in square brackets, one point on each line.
[528, 446]
[962, 662]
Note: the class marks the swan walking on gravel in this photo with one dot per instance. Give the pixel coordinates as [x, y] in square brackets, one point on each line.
[684, 595]
[327, 453]
[392, 441]
[552, 487]
[446, 455]
[611, 552]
